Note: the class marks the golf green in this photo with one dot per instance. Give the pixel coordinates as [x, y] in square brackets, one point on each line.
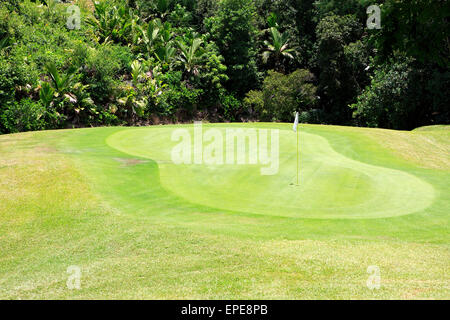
[331, 185]
[112, 203]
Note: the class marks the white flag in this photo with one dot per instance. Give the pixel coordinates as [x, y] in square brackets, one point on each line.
[295, 122]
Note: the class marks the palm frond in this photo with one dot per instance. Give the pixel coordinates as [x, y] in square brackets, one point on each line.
[4, 43]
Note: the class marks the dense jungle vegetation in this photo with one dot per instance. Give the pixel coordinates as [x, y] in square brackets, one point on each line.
[139, 62]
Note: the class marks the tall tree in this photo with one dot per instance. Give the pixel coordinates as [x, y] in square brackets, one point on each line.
[278, 48]
[233, 30]
[418, 27]
[335, 56]
[191, 56]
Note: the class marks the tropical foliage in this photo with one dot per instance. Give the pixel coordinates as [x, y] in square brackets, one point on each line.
[136, 62]
[278, 48]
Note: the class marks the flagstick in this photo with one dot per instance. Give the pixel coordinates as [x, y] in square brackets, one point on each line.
[297, 155]
[296, 128]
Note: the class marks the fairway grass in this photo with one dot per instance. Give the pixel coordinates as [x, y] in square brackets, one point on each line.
[110, 201]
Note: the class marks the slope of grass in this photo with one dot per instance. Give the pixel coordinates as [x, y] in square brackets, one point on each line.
[434, 128]
[102, 199]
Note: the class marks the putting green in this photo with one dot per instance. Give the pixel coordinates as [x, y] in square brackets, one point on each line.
[331, 184]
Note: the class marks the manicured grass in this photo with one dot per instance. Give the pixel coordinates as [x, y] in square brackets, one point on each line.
[433, 128]
[332, 185]
[109, 200]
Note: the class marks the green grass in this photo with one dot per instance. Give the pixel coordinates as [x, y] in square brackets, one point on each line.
[109, 200]
[433, 128]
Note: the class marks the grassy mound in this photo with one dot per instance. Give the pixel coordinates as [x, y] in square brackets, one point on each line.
[433, 128]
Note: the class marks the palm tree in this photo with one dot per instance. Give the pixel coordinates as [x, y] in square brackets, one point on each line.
[278, 49]
[166, 54]
[157, 39]
[151, 35]
[137, 72]
[61, 82]
[46, 94]
[190, 56]
[105, 20]
[166, 33]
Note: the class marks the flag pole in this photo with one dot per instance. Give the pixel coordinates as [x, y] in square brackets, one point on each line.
[297, 157]
[295, 128]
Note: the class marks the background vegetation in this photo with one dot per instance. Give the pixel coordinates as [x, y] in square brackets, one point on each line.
[142, 62]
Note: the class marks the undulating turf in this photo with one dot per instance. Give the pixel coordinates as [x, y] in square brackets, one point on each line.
[110, 201]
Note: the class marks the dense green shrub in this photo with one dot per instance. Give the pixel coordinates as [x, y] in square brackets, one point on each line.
[17, 78]
[392, 99]
[418, 28]
[25, 115]
[211, 77]
[177, 97]
[112, 21]
[311, 116]
[282, 95]
[180, 17]
[12, 25]
[102, 70]
[232, 107]
[233, 29]
[358, 7]
[205, 9]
